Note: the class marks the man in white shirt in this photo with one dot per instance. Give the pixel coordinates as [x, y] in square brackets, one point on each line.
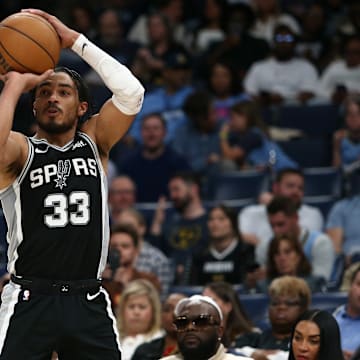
[282, 77]
[317, 246]
[342, 76]
[253, 220]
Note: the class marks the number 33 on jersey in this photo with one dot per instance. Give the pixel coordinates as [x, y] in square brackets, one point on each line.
[62, 191]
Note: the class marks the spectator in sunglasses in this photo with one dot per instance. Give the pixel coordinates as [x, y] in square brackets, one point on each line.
[283, 77]
[198, 323]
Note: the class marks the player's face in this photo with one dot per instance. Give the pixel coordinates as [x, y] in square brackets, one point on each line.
[137, 315]
[57, 106]
[306, 341]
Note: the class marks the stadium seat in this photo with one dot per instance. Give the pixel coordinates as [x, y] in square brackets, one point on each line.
[236, 185]
[313, 120]
[323, 202]
[322, 181]
[328, 301]
[337, 273]
[309, 151]
[256, 306]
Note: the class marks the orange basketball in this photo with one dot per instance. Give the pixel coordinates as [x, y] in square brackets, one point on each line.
[28, 43]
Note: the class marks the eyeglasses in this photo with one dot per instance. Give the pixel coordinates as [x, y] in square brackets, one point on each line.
[287, 303]
[199, 323]
[288, 38]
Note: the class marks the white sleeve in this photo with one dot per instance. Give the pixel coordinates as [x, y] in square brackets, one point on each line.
[128, 93]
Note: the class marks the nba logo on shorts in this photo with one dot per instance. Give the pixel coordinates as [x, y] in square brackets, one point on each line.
[26, 295]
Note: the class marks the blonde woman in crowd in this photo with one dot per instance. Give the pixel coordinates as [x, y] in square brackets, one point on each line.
[138, 316]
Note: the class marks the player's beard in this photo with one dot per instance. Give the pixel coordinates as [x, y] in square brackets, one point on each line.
[54, 128]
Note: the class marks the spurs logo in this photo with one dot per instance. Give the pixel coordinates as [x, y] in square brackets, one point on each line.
[63, 171]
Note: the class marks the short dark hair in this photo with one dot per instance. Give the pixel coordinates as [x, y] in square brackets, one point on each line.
[282, 204]
[188, 177]
[197, 104]
[126, 229]
[154, 114]
[287, 171]
[81, 87]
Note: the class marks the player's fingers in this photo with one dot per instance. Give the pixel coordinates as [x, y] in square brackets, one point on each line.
[46, 74]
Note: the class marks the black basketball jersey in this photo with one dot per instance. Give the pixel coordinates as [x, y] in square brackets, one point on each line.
[56, 211]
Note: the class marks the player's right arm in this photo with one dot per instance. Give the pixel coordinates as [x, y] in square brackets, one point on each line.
[13, 145]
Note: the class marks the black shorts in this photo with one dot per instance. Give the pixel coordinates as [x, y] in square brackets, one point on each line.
[77, 326]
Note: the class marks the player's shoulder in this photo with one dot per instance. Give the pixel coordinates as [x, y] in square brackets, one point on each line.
[88, 127]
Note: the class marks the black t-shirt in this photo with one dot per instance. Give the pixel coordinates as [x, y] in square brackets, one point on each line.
[231, 265]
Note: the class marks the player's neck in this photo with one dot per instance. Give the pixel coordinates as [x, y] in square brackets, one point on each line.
[55, 139]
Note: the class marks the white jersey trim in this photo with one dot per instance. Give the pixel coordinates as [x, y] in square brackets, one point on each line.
[104, 205]
[10, 297]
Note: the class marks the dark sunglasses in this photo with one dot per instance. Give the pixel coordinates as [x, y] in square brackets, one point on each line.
[199, 323]
[284, 38]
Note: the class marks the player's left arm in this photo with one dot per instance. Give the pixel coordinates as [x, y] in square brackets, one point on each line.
[117, 114]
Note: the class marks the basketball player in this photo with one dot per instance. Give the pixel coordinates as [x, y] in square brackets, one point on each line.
[53, 194]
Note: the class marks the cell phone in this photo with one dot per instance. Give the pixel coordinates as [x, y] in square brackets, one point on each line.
[341, 88]
[113, 259]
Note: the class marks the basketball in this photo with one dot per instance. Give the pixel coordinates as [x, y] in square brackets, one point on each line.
[28, 43]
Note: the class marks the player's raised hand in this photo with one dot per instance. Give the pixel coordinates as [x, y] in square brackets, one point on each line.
[27, 80]
[66, 34]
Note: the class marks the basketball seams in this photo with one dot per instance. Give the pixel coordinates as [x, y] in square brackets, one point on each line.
[30, 38]
[35, 17]
[13, 59]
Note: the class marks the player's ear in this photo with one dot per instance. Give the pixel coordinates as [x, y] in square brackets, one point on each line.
[82, 109]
